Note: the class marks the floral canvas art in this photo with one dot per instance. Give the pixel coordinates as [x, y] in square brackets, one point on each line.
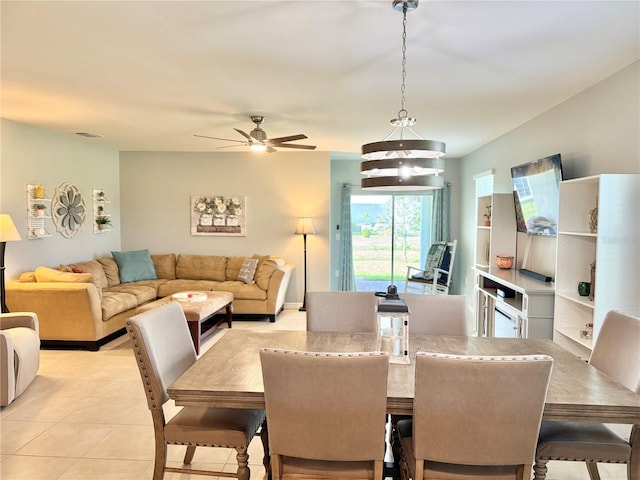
[218, 215]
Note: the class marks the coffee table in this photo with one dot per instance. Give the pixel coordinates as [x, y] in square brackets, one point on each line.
[200, 309]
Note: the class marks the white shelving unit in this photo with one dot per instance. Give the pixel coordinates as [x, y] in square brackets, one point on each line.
[100, 203]
[36, 223]
[499, 238]
[614, 248]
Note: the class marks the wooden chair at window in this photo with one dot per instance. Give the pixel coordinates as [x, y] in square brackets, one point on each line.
[616, 353]
[326, 413]
[435, 278]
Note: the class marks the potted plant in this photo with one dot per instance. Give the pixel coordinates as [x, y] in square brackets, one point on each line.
[40, 208]
[487, 215]
[100, 210]
[103, 222]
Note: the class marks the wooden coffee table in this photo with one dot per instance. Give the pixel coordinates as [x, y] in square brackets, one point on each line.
[200, 312]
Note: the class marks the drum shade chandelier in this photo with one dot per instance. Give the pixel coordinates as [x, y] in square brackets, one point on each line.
[403, 164]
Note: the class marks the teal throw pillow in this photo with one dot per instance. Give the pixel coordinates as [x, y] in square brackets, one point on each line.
[135, 265]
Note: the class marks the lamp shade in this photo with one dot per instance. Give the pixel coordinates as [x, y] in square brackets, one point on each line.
[8, 231]
[305, 226]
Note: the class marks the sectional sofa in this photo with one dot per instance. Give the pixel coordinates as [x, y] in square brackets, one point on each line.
[86, 304]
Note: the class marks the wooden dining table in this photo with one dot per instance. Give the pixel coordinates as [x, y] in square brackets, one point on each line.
[229, 374]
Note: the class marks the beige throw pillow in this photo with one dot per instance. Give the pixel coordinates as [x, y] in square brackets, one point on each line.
[248, 270]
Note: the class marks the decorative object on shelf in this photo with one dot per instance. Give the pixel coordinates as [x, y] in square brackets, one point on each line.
[392, 322]
[38, 192]
[40, 209]
[8, 233]
[103, 222]
[68, 210]
[403, 164]
[487, 215]
[304, 228]
[592, 289]
[487, 252]
[218, 215]
[504, 262]
[593, 220]
[584, 289]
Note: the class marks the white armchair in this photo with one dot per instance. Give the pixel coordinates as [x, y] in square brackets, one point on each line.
[19, 354]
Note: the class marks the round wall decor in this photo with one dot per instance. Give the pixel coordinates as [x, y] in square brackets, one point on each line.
[68, 210]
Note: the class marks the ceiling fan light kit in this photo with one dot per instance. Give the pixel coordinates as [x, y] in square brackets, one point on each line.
[403, 164]
[257, 139]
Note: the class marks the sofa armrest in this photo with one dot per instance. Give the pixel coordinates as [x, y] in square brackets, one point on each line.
[19, 319]
[65, 311]
[278, 285]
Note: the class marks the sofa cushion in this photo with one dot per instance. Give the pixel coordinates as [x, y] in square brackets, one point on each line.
[180, 285]
[110, 268]
[248, 270]
[266, 267]
[143, 293]
[165, 265]
[201, 267]
[114, 303]
[233, 267]
[135, 265]
[94, 267]
[46, 274]
[243, 291]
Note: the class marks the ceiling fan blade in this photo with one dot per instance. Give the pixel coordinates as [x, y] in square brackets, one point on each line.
[216, 138]
[290, 138]
[270, 149]
[293, 145]
[232, 146]
[245, 135]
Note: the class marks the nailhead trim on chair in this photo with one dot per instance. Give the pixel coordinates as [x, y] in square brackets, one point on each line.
[580, 459]
[327, 354]
[503, 358]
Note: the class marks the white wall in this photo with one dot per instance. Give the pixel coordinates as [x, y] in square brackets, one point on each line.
[596, 131]
[280, 187]
[33, 155]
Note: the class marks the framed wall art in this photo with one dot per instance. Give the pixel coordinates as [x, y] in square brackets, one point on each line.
[218, 215]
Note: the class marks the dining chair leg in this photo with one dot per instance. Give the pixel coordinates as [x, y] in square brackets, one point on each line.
[264, 437]
[592, 467]
[540, 470]
[243, 463]
[276, 467]
[188, 455]
[161, 458]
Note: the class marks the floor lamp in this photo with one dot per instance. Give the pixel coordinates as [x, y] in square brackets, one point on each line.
[304, 228]
[8, 233]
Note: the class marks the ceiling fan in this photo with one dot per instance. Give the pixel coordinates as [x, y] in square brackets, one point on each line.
[257, 138]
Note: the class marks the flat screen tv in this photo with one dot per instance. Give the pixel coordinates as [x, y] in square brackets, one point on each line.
[536, 188]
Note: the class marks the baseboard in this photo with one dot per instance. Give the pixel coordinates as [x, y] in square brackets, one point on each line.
[91, 345]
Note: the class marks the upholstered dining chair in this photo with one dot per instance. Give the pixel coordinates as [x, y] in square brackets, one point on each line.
[474, 417]
[616, 353]
[164, 350]
[436, 314]
[341, 311]
[19, 354]
[326, 413]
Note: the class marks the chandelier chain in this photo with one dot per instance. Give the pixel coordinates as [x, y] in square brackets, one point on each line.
[403, 112]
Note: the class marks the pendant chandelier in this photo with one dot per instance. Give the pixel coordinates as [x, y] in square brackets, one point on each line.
[403, 164]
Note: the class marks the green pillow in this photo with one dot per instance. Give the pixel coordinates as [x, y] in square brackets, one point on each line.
[135, 265]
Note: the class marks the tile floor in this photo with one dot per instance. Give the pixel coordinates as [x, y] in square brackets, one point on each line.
[85, 418]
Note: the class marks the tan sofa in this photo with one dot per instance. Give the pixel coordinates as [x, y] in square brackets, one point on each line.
[86, 305]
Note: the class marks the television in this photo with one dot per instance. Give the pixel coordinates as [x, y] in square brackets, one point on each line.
[536, 187]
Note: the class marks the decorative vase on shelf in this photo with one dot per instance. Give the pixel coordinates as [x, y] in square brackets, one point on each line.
[593, 220]
[504, 262]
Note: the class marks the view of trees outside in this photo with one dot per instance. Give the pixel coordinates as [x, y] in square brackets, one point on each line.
[371, 218]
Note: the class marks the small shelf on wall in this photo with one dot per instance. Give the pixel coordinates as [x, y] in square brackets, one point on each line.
[38, 211]
[100, 212]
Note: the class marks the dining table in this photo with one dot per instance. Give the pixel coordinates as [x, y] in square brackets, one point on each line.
[229, 373]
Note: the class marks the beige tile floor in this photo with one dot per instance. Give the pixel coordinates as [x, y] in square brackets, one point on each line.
[85, 418]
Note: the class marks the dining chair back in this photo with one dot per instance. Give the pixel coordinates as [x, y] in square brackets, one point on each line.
[341, 311]
[436, 314]
[164, 350]
[326, 413]
[474, 417]
[616, 353]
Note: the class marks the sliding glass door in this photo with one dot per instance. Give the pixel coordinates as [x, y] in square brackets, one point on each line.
[389, 232]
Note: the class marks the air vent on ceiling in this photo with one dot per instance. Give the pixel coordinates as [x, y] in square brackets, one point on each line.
[89, 134]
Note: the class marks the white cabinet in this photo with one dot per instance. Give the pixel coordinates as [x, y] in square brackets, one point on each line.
[614, 248]
[38, 210]
[498, 238]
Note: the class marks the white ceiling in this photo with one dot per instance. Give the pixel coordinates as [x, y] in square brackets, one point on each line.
[147, 75]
